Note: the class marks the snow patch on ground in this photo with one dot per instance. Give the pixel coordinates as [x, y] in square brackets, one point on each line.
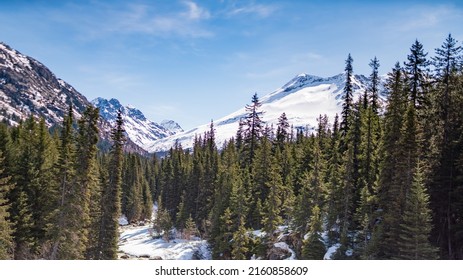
[331, 250]
[285, 246]
[123, 220]
[138, 242]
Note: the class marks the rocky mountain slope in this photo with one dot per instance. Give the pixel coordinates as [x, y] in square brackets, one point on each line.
[27, 87]
[138, 128]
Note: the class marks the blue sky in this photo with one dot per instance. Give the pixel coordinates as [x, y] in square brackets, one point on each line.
[193, 61]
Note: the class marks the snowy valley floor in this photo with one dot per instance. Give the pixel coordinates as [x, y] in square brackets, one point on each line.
[136, 242]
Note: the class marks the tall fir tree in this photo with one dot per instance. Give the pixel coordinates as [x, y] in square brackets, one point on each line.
[254, 127]
[348, 97]
[313, 247]
[416, 223]
[374, 86]
[111, 196]
[67, 243]
[6, 227]
[388, 185]
[447, 144]
[87, 183]
[416, 68]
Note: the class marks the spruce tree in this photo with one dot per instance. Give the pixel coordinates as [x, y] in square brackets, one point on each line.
[374, 85]
[388, 187]
[416, 223]
[313, 247]
[191, 229]
[253, 130]
[87, 184]
[282, 131]
[240, 242]
[347, 98]
[6, 227]
[111, 196]
[223, 240]
[23, 196]
[416, 68]
[67, 244]
[334, 184]
[273, 203]
[446, 144]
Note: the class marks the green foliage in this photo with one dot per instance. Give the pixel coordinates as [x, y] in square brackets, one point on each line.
[6, 227]
[313, 247]
[240, 243]
[416, 223]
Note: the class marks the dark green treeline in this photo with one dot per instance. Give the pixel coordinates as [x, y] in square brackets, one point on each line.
[383, 181]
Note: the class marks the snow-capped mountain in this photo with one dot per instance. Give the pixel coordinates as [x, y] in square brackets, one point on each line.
[29, 87]
[138, 128]
[303, 99]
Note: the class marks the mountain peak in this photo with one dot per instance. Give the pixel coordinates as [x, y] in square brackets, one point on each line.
[139, 129]
[304, 98]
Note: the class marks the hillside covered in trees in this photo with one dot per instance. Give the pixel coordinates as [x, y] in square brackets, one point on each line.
[377, 182]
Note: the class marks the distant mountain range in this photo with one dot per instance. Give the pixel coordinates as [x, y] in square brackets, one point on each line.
[139, 129]
[29, 87]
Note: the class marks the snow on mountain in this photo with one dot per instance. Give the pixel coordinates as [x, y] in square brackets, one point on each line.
[139, 129]
[303, 99]
[27, 87]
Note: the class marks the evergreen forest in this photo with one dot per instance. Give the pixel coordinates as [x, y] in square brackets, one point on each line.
[383, 180]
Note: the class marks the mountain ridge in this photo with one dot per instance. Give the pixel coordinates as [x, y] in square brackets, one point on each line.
[302, 99]
[28, 87]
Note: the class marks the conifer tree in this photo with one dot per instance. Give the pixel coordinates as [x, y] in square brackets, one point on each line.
[131, 191]
[417, 72]
[147, 200]
[272, 206]
[348, 98]
[163, 224]
[334, 184]
[190, 230]
[390, 152]
[253, 130]
[313, 247]
[240, 242]
[374, 85]
[447, 143]
[282, 131]
[111, 196]
[416, 223]
[87, 184]
[182, 214]
[222, 241]
[228, 180]
[6, 227]
[22, 197]
[67, 244]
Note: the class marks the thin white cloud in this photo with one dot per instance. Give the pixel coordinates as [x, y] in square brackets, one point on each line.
[136, 18]
[141, 18]
[195, 12]
[260, 10]
[425, 17]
